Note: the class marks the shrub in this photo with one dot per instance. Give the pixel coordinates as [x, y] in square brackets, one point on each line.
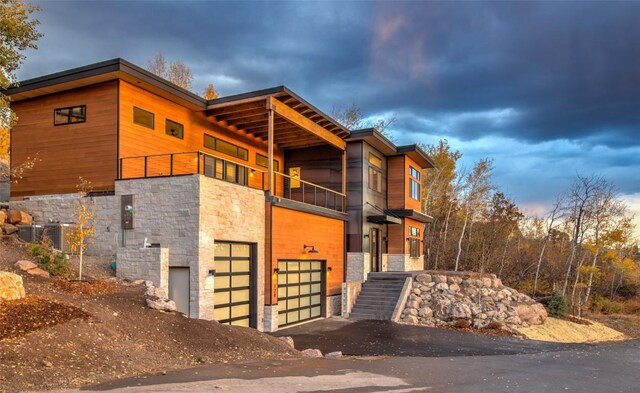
[632, 307]
[494, 325]
[557, 304]
[52, 261]
[605, 305]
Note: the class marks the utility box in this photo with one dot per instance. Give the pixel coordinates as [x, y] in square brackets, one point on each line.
[126, 211]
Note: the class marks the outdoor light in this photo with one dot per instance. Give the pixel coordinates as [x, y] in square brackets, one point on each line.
[329, 268]
[312, 251]
[276, 270]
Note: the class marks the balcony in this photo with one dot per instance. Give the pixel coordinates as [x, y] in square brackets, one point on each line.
[198, 162]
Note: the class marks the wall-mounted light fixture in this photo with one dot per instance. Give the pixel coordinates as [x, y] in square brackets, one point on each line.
[312, 251]
[366, 236]
[384, 238]
[212, 272]
[329, 268]
[276, 270]
[209, 280]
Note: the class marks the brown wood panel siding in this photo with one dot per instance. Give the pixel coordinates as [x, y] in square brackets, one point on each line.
[355, 184]
[396, 182]
[396, 239]
[136, 140]
[66, 152]
[292, 229]
[410, 202]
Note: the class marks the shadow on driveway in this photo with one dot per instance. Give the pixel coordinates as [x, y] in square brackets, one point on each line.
[380, 338]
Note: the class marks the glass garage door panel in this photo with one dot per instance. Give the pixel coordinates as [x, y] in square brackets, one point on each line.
[232, 283]
[299, 291]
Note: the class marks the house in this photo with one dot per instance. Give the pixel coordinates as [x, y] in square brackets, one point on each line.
[237, 205]
[386, 226]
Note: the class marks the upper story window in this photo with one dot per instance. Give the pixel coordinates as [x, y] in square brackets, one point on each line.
[70, 115]
[174, 129]
[225, 147]
[414, 242]
[143, 118]
[263, 161]
[414, 183]
[375, 160]
[414, 231]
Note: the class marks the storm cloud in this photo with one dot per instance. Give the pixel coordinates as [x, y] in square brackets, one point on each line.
[546, 89]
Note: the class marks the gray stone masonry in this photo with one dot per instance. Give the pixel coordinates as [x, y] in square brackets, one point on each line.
[350, 292]
[403, 263]
[149, 264]
[271, 318]
[358, 266]
[334, 306]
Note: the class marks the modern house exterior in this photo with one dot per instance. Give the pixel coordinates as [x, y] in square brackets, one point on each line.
[237, 206]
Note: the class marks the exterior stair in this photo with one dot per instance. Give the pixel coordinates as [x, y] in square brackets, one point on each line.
[379, 296]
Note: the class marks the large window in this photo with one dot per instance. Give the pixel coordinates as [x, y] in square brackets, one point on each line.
[143, 118]
[375, 173]
[414, 183]
[263, 161]
[225, 147]
[414, 241]
[70, 115]
[375, 160]
[174, 129]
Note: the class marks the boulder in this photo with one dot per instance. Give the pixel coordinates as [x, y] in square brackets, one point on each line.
[425, 312]
[533, 314]
[19, 217]
[11, 287]
[9, 229]
[288, 340]
[442, 286]
[454, 287]
[38, 272]
[460, 311]
[439, 278]
[312, 353]
[333, 355]
[26, 265]
[410, 319]
[423, 278]
[161, 304]
[3, 217]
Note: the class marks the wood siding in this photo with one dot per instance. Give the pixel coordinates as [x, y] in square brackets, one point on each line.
[396, 238]
[291, 230]
[396, 182]
[410, 202]
[66, 152]
[138, 140]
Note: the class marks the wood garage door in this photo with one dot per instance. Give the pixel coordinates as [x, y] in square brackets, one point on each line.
[300, 291]
[233, 284]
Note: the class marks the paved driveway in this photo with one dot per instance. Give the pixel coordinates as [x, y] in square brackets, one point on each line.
[378, 338]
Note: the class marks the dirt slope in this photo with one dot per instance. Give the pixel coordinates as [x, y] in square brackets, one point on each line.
[120, 337]
[562, 331]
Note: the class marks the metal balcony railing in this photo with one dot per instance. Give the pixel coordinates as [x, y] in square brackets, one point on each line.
[197, 162]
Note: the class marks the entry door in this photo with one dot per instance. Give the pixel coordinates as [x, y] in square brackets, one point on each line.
[179, 288]
[233, 284]
[374, 235]
[300, 291]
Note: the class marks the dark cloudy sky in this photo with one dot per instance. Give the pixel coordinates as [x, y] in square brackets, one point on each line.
[546, 89]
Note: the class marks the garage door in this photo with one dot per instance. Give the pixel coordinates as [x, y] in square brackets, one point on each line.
[300, 291]
[233, 283]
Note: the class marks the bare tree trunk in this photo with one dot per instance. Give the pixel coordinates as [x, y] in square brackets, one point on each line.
[464, 227]
[504, 252]
[569, 266]
[446, 231]
[535, 280]
[575, 282]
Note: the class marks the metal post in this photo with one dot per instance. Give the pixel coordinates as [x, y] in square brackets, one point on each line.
[198, 169]
[145, 166]
[171, 165]
[270, 146]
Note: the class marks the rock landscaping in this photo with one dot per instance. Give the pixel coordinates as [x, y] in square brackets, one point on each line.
[9, 219]
[469, 299]
[11, 287]
[157, 298]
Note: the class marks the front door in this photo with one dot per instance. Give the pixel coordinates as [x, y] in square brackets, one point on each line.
[233, 284]
[179, 288]
[374, 235]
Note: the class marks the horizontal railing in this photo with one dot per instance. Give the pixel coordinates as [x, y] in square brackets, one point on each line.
[198, 162]
[190, 163]
[300, 190]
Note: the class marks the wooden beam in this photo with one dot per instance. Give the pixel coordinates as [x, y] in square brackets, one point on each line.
[243, 114]
[270, 168]
[236, 108]
[303, 122]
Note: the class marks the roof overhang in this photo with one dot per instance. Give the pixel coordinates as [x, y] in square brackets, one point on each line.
[297, 123]
[410, 213]
[384, 219]
[375, 138]
[103, 72]
[418, 155]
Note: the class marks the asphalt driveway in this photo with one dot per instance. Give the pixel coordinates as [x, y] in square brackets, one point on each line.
[385, 338]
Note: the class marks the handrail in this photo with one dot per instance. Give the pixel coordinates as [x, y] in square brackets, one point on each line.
[311, 184]
[195, 152]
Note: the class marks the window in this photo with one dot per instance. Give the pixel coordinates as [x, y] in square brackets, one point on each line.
[414, 183]
[375, 179]
[413, 231]
[143, 118]
[375, 161]
[414, 248]
[174, 129]
[225, 147]
[263, 161]
[70, 115]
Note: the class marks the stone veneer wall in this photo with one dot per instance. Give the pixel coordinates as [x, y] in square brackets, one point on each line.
[358, 266]
[334, 306]
[145, 264]
[403, 263]
[350, 292]
[60, 208]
